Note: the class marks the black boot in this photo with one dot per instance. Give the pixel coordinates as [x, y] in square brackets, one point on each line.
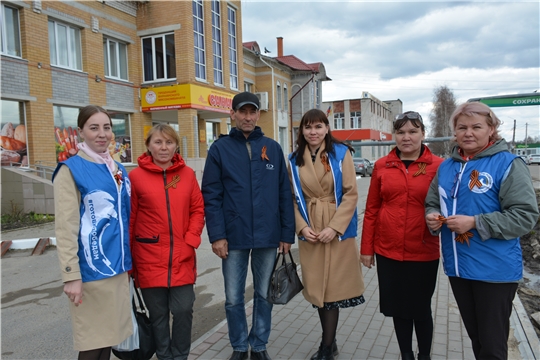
[335, 350]
[407, 356]
[325, 353]
[423, 357]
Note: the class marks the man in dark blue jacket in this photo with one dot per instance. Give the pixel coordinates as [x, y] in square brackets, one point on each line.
[249, 212]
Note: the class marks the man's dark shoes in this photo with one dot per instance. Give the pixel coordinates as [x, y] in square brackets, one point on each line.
[239, 355]
[262, 355]
[335, 350]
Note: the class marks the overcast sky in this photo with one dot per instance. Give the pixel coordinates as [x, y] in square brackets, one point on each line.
[404, 50]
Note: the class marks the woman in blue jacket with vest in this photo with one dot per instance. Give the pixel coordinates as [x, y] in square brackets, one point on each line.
[481, 201]
[92, 206]
[323, 181]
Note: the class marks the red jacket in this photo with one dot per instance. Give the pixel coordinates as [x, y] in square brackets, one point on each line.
[394, 220]
[167, 218]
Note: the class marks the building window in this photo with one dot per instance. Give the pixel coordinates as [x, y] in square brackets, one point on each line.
[120, 147]
[339, 121]
[248, 86]
[285, 98]
[115, 55]
[65, 131]
[198, 37]
[10, 36]
[65, 45]
[212, 132]
[159, 57]
[14, 139]
[278, 95]
[356, 117]
[283, 137]
[233, 58]
[216, 43]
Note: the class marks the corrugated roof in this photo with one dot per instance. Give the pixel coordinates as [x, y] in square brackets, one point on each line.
[295, 63]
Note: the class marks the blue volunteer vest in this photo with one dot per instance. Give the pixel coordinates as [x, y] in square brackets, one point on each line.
[492, 260]
[335, 166]
[104, 226]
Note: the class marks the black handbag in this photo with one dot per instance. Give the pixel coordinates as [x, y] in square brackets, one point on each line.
[147, 344]
[284, 283]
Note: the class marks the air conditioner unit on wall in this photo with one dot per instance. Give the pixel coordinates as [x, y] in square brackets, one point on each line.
[263, 100]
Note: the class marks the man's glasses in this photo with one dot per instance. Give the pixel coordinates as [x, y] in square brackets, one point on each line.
[411, 115]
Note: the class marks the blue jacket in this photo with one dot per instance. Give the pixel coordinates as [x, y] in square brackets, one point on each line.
[247, 200]
[492, 260]
[335, 165]
[104, 227]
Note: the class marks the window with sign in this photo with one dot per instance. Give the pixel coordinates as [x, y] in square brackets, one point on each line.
[14, 139]
[65, 45]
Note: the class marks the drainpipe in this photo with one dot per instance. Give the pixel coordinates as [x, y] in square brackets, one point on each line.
[291, 108]
[274, 122]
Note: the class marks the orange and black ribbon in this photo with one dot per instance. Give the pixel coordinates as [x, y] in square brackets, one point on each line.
[461, 238]
[421, 169]
[464, 237]
[474, 180]
[263, 154]
[324, 160]
[118, 177]
[175, 180]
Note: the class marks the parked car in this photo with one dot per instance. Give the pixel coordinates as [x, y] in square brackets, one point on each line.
[525, 158]
[363, 166]
[534, 159]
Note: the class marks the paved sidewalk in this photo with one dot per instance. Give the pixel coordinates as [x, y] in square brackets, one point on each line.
[364, 333]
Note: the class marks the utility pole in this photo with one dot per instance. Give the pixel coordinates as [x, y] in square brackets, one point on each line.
[526, 136]
[514, 138]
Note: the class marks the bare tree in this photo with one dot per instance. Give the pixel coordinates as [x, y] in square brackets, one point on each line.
[444, 104]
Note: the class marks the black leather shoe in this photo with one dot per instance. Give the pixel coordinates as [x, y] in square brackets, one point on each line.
[239, 355]
[407, 356]
[335, 350]
[423, 357]
[262, 355]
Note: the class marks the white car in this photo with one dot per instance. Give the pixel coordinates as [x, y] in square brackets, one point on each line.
[533, 159]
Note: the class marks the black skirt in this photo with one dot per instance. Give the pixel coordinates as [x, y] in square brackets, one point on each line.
[406, 287]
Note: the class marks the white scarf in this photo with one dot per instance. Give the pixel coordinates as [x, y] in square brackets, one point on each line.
[100, 158]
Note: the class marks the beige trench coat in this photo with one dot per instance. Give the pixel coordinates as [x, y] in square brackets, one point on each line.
[330, 272]
[104, 317]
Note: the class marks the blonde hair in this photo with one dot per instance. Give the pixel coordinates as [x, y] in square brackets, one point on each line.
[478, 108]
[166, 130]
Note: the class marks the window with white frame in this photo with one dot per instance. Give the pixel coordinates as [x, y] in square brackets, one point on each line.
[198, 39]
[248, 86]
[120, 147]
[339, 121]
[159, 60]
[115, 56]
[65, 45]
[285, 98]
[216, 43]
[233, 58]
[278, 95]
[356, 117]
[10, 36]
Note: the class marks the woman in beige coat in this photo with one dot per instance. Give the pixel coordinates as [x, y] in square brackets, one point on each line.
[92, 203]
[323, 180]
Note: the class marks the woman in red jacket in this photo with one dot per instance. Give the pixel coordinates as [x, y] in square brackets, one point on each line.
[395, 232]
[167, 218]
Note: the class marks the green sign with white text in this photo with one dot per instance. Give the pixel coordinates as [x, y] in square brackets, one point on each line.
[511, 101]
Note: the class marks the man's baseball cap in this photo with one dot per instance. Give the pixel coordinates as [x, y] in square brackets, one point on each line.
[245, 98]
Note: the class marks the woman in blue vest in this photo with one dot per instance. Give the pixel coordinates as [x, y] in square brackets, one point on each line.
[323, 180]
[92, 207]
[481, 201]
